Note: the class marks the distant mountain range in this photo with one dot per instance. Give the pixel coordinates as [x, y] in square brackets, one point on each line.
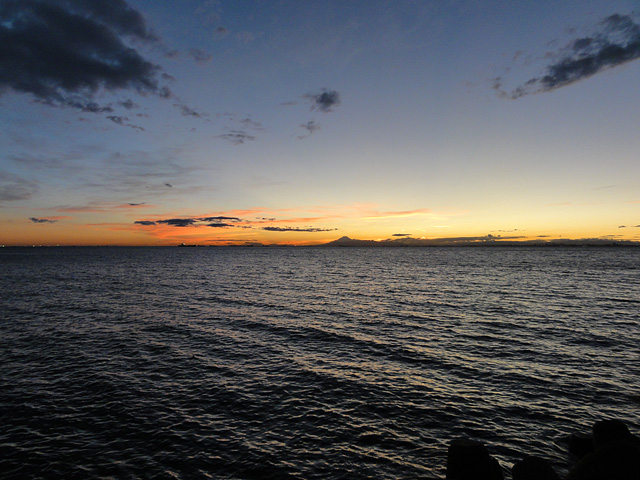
[488, 240]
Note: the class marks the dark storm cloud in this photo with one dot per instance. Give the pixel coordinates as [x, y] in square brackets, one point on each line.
[64, 51]
[324, 101]
[42, 220]
[616, 42]
[297, 229]
[145, 222]
[401, 235]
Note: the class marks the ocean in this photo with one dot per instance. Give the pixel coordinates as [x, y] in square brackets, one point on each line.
[308, 363]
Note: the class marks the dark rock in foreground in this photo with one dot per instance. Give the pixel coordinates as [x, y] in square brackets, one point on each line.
[470, 460]
[534, 468]
[615, 455]
[610, 453]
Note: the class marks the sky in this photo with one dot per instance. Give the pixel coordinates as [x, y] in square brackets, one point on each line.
[215, 122]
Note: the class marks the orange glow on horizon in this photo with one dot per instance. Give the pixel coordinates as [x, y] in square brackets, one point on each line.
[311, 225]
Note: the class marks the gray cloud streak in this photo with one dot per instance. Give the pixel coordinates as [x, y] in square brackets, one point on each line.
[310, 127]
[215, 222]
[200, 56]
[42, 220]
[15, 188]
[237, 137]
[297, 229]
[615, 43]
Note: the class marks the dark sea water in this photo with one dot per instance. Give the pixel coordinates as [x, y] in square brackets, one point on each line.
[308, 363]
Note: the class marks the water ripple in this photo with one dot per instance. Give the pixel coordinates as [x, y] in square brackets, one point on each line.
[307, 363]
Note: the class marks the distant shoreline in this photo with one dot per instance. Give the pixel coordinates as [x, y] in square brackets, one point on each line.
[353, 243]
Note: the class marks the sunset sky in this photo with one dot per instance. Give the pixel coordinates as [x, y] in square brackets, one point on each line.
[138, 122]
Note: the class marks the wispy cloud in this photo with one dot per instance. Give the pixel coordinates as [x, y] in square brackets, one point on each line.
[249, 123]
[124, 121]
[200, 56]
[14, 187]
[42, 220]
[324, 101]
[220, 32]
[310, 127]
[399, 214]
[216, 222]
[298, 229]
[128, 104]
[616, 41]
[245, 37]
[234, 225]
[239, 129]
[455, 240]
[237, 223]
[99, 207]
[237, 137]
[187, 111]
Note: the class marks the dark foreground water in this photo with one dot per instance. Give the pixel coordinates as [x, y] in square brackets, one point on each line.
[239, 363]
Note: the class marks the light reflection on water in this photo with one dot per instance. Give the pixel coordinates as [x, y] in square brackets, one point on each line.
[308, 363]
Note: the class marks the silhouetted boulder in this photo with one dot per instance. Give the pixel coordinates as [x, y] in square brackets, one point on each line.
[470, 460]
[585, 469]
[533, 468]
[606, 431]
[580, 445]
[619, 460]
[614, 461]
[616, 454]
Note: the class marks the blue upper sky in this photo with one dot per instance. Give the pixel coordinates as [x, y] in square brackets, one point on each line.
[302, 121]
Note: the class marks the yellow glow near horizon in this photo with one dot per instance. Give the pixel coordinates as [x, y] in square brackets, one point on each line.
[65, 232]
[316, 224]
